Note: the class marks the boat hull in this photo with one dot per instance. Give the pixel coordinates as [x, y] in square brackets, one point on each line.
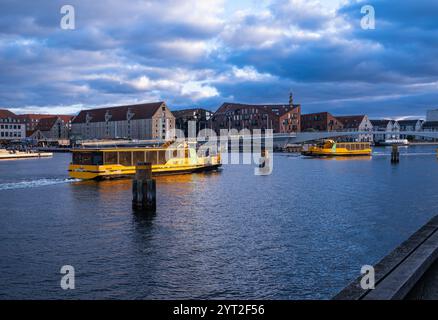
[335, 154]
[117, 172]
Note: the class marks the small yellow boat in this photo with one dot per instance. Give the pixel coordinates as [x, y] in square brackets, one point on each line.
[107, 163]
[330, 148]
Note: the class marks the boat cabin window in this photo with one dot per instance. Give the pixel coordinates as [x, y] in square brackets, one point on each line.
[125, 158]
[151, 156]
[138, 157]
[88, 158]
[111, 158]
[162, 157]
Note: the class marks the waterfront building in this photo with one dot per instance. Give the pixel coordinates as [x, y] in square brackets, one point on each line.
[355, 124]
[321, 121]
[290, 122]
[142, 121]
[410, 125]
[201, 116]
[11, 128]
[53, 129]
[430, 126]
[432, 115]
[32, 120]
[240, 116]
[387, 126]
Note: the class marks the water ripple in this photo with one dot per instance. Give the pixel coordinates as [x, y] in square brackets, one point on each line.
[34, 183]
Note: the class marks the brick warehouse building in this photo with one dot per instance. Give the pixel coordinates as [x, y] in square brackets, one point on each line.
[200, 116]
[278, 117]
[141, 121]
[322, 121]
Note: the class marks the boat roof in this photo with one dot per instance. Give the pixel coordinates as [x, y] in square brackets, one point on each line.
[127, 149]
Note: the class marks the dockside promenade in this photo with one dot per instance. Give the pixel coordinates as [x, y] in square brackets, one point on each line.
[409, 272]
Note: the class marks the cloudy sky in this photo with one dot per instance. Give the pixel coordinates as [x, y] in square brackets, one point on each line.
[204, 52]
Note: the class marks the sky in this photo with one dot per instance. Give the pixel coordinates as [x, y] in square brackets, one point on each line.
[201, 53]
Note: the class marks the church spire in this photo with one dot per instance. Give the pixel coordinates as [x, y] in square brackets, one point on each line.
[291, 100]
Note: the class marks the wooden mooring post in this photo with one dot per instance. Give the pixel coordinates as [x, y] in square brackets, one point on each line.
[144, 189]
[395, 154]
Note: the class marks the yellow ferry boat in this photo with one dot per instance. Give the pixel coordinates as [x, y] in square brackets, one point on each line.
[107, 163]
[332, 148]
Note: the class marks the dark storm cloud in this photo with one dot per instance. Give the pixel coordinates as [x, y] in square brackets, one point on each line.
[195, 53]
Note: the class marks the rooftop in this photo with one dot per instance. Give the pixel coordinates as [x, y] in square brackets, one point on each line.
[189, 112]
[277, 109]
[351, 121]
[4, 113]
[381, 122]
[139, 111]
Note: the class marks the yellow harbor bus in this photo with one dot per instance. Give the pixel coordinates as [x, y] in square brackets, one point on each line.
[119, 162]
[332, 148]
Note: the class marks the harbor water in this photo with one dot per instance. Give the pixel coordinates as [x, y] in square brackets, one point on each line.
[303, 232]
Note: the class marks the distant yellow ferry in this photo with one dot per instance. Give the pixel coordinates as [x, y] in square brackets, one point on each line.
[332, 148]
[109, 163]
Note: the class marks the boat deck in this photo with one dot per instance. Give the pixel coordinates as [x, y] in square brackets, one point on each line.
[7, 155]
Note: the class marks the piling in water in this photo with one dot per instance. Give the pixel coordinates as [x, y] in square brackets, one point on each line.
[264, 167]
[144, 189]
[395, 154]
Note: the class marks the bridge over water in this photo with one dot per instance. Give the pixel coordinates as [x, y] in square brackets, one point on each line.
[301, 137]
[278, 139]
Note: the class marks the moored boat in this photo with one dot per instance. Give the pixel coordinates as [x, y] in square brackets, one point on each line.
[398, 142]
[107, 163]
[13, 154]
[330, 148]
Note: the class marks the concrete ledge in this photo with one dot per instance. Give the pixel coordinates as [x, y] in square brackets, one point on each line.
[402, 270]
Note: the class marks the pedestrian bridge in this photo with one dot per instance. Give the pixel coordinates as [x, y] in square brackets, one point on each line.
[301, 137]
[279, 139]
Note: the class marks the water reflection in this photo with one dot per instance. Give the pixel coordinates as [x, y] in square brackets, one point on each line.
[302, 232]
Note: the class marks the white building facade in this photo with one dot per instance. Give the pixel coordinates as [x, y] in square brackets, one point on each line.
[357, 123]
[390, 130]
[410, 125]
[12, 129]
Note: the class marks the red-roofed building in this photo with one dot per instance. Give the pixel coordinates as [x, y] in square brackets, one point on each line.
[278, 117]
[357, 123]
[141, 121]
[53, 128]
[32, 120]
[322, 121]
[4, 113]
